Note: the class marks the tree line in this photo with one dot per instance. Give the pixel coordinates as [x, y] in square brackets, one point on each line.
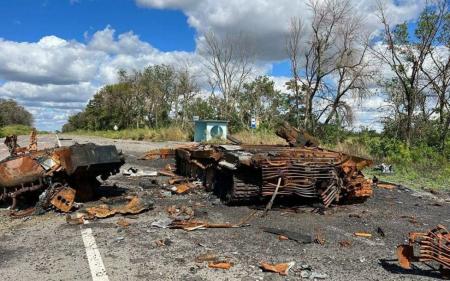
[11, 113]
[335, 64]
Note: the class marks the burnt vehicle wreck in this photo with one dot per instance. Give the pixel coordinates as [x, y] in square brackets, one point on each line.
[244, 173]
[61, 175]
[248, 172]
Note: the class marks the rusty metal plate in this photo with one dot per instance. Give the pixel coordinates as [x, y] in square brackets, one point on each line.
[63, 200]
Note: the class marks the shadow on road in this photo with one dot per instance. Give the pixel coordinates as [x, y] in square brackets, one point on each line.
[392, 266]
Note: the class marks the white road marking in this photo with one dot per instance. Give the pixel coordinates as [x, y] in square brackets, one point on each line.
[96, 265]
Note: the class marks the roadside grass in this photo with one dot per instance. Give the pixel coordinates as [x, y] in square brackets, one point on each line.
[15, 130]
[266, 137]
[161, 134]
[418, 167]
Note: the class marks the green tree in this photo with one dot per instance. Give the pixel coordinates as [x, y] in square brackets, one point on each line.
[11, 113]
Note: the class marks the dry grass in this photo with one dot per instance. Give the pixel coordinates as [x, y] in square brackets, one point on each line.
[163, 134]
[259, 137]
[351, 147]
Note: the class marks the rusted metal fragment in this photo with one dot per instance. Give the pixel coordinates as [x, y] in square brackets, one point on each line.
[11, 143]
[123, 223]
[63, 199]
[161, 153]
[280, 268]
[134, 206]
[294, 136]
[220, 265]
[405, 254]
[77, 218]
[434, 246]
[363, 234]
[22, 213]
[33, 146]
[190, 225]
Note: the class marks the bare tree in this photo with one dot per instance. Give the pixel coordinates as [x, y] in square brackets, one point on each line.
[186, 89]
[438, 76]
[293, 52]
[321, 54]
[406, 57]
[352, 74]
[229, 61]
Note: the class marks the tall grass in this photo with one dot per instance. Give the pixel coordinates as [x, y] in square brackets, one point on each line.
[161, 134]
[267, 137]
[420, 166]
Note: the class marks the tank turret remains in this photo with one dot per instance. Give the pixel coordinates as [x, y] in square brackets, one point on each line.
[61, 175]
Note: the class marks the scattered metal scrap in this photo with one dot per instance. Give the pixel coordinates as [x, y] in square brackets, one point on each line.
[61, 174]
[131, 206]
[135, 205]
[190, 225]
[220, 264]
[434, 246]
[280, 268]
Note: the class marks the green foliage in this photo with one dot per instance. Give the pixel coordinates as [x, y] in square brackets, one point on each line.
[401, 33]
[141, 99]
[14, 130]
[11, 113]
[418, 166]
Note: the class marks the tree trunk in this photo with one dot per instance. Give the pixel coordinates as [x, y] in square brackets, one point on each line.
[332, 113]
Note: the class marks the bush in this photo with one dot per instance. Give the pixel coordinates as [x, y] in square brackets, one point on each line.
[14, 130]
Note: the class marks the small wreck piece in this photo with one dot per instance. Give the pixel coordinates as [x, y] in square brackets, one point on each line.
[61, 174]
[280, 268]
[134, 206]
[434, 246]
[220, 264]
[363, 234]
[190, 225]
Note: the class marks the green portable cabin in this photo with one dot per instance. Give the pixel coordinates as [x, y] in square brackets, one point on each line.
[206, 130]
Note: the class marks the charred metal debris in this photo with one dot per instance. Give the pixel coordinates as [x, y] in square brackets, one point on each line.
[61, 175]
[434, 246]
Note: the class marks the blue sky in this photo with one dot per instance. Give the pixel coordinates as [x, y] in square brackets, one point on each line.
[55, 54]
[30, 20]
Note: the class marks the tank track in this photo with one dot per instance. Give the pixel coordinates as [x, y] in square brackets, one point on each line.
[240, 190]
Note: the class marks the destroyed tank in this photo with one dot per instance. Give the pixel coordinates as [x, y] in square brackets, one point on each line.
[243, 173]
[61, 175]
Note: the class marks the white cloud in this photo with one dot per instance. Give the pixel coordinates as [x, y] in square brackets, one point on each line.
[54, 77]
[265, 22]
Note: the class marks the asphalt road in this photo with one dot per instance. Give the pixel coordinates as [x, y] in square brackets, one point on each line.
[47, 248]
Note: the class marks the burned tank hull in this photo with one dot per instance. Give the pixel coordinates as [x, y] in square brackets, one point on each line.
[62, 172]
[244, 173]
[19, 170]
